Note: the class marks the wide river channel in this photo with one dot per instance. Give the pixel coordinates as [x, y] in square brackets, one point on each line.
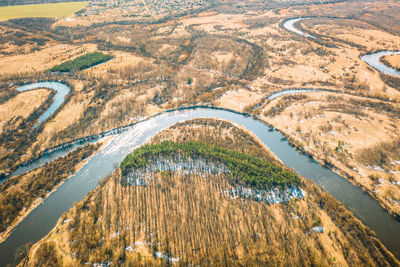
[41, 220]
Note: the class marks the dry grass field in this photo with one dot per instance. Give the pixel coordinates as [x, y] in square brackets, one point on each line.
[192, 222]
[43, 59]
[21, 106]
[239, 99]
[393, 61]
[348, 132]
[229, 54]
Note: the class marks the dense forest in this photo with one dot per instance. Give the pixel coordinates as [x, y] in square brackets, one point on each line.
[82, 62]
[244, 168]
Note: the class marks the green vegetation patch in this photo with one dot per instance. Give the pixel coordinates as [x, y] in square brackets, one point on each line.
[244, 168]
[82, 62]
[53, 10]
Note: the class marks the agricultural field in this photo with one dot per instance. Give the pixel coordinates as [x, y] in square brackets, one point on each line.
[53, 10]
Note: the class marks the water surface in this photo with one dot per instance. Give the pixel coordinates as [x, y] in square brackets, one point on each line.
[44, 217]
[371, 59]
[61, 91]
[289, 25]
[374, 61]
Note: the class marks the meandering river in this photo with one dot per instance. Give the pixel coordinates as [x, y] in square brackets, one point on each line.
[289, 25]
[61, 91]
[372, 59]
[41, 220]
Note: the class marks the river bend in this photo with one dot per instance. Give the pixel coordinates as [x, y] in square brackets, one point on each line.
[61, 91]
[372, 59]
[41, 220]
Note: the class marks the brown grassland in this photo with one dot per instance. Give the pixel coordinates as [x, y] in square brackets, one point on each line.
[392, 61]
[21, 105]
[357, 136]
[188, 219]
[230, 54]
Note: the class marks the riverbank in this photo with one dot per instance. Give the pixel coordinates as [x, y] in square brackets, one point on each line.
[68, 241]
[331, 164]
[373, 59]
[335, 136]
[334, 165]
[25, 212]
[392, 61]
[104, 163]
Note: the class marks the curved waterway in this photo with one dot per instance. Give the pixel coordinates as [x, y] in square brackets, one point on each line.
[372, 59]
[293, 91]
[41, 220]
[61, 91]
[289, 25]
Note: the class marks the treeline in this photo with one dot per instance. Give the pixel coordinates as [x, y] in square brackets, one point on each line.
[392, 81]
[215, 132]
[20, 192]
[190, 221]
[6, 94]
[244, 168]
[82, 62]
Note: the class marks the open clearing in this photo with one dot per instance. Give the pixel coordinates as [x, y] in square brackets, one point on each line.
[41, 10]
